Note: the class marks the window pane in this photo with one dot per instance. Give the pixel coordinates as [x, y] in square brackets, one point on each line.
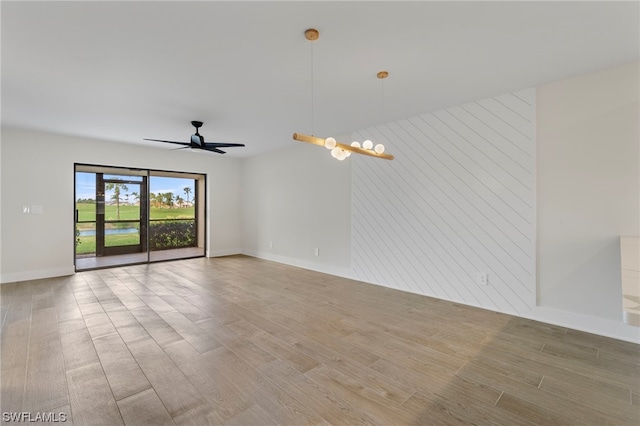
[122, 201]
[85, 196]
[172, 213]
[171, 198]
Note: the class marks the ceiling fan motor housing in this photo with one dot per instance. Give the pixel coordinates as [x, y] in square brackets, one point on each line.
[197, 139]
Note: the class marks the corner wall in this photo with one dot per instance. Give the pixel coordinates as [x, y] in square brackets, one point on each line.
[462, 196]
[588, 179]
[37, 169]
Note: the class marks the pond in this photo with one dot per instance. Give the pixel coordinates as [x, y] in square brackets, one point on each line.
[92, 232]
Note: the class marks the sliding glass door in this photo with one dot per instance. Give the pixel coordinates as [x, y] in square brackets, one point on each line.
[121, 216]
[126, 216]
[173, 221]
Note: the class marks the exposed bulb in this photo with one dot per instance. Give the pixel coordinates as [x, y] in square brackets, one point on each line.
[342, 155]
[379, 148]
[335, 152]
[367, 144]
[355, 144]
[330, 143]
[347, 154]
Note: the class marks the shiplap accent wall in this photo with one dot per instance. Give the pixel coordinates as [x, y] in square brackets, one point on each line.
[458, 199]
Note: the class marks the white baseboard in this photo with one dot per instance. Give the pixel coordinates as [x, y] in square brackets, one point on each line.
[36, 274]
[600, 326]
[223, 252]
[300, 263]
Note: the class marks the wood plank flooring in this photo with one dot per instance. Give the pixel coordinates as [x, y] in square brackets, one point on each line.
[242, 341]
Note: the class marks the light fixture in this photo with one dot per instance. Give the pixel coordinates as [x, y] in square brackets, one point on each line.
[339, 150]
[348, 149]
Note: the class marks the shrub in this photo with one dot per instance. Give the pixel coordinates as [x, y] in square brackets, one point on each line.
[165, 235]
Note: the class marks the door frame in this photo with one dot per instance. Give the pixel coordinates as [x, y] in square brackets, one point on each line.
[201, 212]
[143, 219]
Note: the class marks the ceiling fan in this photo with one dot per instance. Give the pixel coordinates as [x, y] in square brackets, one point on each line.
[197, 142]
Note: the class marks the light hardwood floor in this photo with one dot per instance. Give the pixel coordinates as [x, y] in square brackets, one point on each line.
[243, 341]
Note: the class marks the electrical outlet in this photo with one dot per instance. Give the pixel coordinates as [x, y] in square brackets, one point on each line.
[483, 278]
[316, 252]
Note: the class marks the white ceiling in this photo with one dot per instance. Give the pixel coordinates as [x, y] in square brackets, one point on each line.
[124, 71]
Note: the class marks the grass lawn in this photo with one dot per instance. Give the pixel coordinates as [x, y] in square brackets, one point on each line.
[87, 211]
[88, 244]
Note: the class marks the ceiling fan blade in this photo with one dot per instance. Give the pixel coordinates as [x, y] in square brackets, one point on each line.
[174, 142]
[182, 147]
[221, 145]
[213, 149]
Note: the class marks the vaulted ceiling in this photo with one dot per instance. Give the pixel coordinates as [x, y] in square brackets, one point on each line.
[124, 71]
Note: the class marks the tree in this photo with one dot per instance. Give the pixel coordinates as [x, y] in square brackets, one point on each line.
[168, 198]
[179, 200]
[187, 191]
[116, 187]
[156, 199]
[136, 196]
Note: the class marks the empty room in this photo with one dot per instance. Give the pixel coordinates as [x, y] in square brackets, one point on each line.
[291, 213]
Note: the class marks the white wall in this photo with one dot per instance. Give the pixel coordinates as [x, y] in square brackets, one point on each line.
[457, 200]
[588, 189]
[298, 198]
[38, 169]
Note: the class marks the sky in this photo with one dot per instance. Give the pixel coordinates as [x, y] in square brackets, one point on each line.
[86, 186]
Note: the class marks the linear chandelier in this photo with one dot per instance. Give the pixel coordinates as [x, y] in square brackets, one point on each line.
[339, 150]
[342, 151]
